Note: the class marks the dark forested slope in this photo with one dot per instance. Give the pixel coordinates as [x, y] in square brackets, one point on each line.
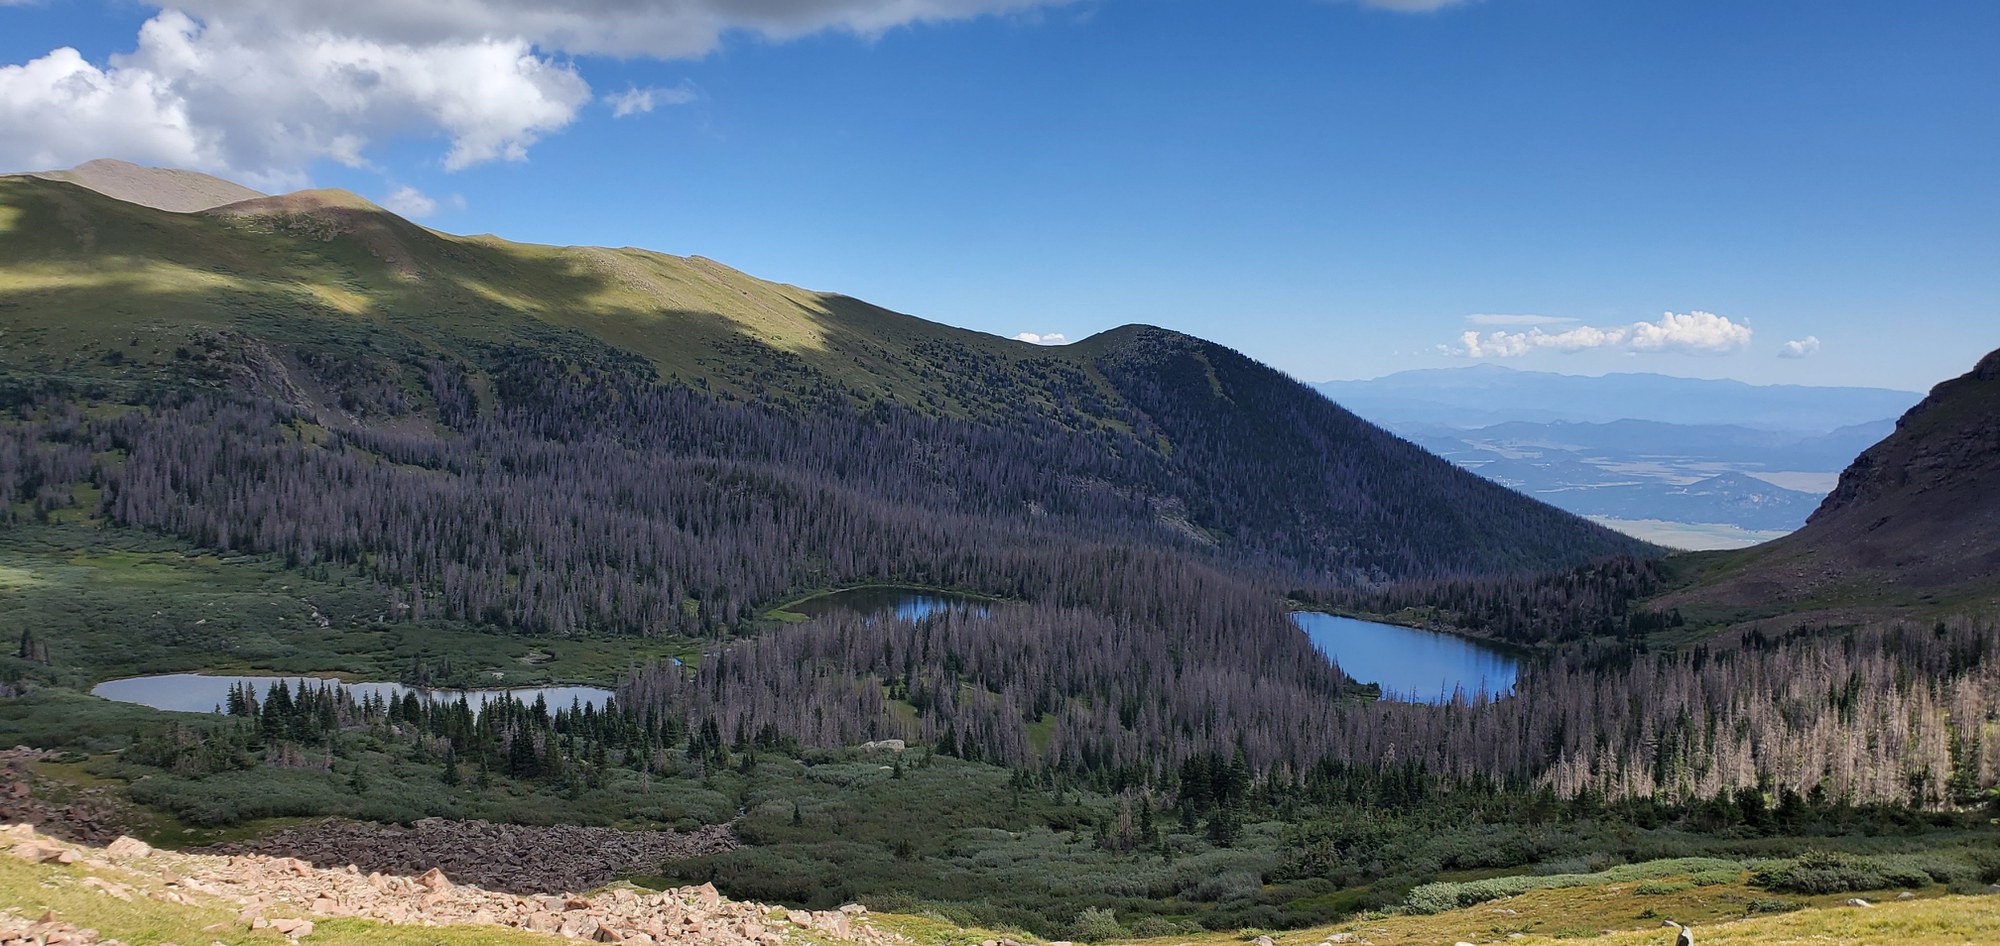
[574, 439]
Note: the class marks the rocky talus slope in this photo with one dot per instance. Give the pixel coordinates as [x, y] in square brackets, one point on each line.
[286, 895]
[509, 857]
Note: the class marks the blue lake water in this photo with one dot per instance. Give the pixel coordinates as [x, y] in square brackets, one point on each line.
[202, 693]
[1410, 665]
[907, 604]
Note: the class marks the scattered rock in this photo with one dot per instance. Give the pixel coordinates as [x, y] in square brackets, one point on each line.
[258, 886]
[47, 931]
[128, 848]
[88, 816]
[1855, 902]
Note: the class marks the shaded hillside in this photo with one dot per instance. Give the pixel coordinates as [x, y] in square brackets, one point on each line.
[1224, 414]
[581, 439]
[1915, 519]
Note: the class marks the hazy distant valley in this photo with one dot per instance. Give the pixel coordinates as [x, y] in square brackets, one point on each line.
[1687, 463]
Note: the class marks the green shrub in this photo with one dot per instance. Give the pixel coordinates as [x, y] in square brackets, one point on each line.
[893, 902]
[1822, 872]
[1767, 905]
[1095, 925]
[1156, 926]
[1660, 888]
[1432, 898]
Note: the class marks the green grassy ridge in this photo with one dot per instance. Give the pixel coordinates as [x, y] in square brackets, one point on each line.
[100, 291]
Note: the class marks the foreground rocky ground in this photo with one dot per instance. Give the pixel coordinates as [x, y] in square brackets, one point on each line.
[286, 895]
[514, 858]
[86, 816]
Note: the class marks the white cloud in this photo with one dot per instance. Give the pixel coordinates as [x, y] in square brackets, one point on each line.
[257, 90]
[1698, 333]
[260, 107]
[58, 110]
[1484, 319]
[1043, 338]
[1799, 348]
[663, 29]
[636, 101]
[409, 202]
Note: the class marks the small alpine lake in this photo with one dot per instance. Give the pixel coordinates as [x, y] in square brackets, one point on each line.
[908, 604]
[1410, 665]
[203, 693]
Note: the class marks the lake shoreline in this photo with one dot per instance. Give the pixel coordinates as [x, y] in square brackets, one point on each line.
[1410, 664]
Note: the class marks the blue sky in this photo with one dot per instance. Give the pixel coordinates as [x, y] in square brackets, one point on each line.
[1338, 188]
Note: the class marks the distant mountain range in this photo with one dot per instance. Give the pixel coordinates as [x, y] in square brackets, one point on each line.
[158, 188]
[1688, 462]
[1483, 395]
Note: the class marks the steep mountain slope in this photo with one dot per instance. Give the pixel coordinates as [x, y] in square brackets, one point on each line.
[1915, 519]
[158, 188]
[575, 439]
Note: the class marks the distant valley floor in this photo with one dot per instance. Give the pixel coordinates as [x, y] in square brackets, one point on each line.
[1691, 536]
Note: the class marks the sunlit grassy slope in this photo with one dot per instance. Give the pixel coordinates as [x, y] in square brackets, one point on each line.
[93, 288]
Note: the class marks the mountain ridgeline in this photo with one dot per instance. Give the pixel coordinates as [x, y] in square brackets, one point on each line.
[575, 440]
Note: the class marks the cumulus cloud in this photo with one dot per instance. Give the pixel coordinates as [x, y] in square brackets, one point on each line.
[260, 106]
[409, 202]
[1517, 320]
[1799, 348]
[259, 89]
[637, 101]
[59, 107]
[1043, 338]
[1699, 333]
[664, 29]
